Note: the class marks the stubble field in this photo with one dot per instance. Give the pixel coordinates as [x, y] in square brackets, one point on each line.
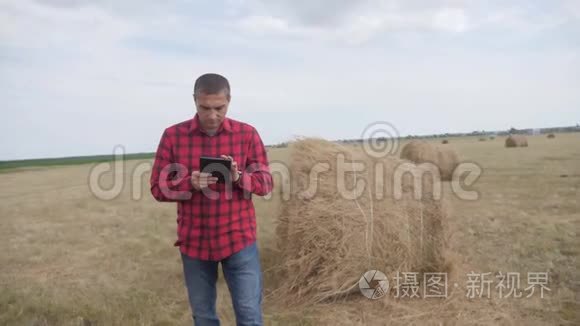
[69, 258]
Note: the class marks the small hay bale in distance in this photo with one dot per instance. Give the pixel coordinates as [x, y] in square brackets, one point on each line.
[491, 137]
[516, 141]
[327, 241]
[482, 139]
[445, 141]
[419, 151]
[551, 136]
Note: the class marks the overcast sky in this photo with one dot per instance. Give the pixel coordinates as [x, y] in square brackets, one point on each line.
[78, 77]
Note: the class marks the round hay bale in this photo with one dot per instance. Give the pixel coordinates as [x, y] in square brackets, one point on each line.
[551, 136]
[482, 139]
[491, 137]
[329, 234]
[446, 159]
[516, 141]
[445, 141]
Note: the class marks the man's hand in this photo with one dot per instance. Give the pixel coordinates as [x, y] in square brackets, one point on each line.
[200, 180]
[234, 169]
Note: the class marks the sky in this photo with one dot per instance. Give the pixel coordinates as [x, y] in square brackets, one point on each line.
[78, 77]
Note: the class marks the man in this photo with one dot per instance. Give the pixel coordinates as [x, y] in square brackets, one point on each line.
[215, 222]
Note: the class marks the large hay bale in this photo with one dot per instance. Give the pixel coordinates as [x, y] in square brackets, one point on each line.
[446, 159]
[516, 141]
[328, 237]
[551, 136]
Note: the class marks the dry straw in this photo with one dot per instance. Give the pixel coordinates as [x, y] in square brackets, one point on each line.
[516, 141]
[419, 151]
[326, 242]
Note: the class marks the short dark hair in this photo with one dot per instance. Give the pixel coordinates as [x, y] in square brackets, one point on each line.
[211, 84]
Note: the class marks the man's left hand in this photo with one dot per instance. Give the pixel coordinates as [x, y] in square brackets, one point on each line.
[234, 168]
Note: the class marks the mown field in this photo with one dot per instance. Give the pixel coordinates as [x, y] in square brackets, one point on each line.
[69, 258]
[10, 166]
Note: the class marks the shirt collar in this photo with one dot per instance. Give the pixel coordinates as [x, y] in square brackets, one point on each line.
[195, 125]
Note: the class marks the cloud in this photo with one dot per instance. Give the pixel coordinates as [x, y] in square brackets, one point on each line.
[266, 24]
[450, 19]
[322, 13]
[358, 22]
[349, 22]
[359, 29]
[27, 24]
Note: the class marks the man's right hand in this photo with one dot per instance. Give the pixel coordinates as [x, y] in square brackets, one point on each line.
[200, 180]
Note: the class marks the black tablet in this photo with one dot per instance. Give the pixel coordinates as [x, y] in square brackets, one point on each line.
[217, 166]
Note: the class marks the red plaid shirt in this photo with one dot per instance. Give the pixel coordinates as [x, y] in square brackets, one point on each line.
[211, 227]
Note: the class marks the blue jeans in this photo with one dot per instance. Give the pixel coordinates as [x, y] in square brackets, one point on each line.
[244, 278]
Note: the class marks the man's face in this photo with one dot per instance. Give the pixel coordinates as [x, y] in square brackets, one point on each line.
[211, 109]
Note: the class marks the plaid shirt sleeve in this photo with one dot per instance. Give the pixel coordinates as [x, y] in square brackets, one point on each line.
[170, 181]
[256, 177]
